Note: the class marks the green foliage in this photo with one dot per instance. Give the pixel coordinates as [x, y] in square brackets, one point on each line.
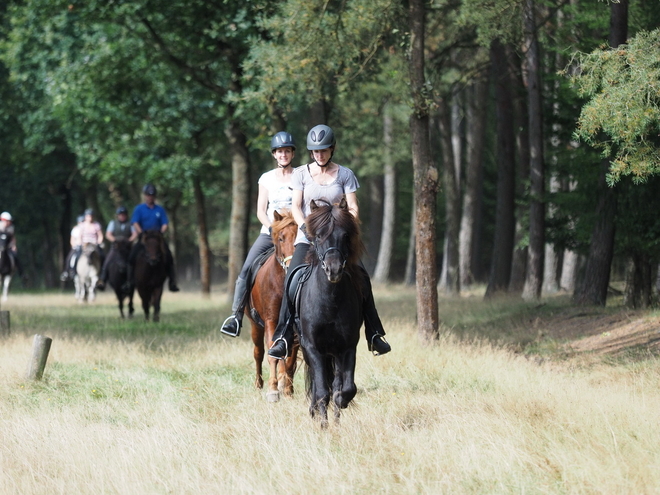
[622, 116]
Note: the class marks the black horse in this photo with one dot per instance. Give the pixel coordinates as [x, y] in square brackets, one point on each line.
[117, 274]
[7, 267]
[151, 271]
[330, 308]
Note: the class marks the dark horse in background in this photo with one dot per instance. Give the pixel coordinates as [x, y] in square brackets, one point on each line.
[263, 309]
[151, 271]
[117, 274]
[7, 267]
[330, 308]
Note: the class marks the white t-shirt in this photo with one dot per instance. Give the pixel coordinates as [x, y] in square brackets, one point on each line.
[279, 195]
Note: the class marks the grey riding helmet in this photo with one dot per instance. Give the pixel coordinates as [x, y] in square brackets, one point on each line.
[282, 140]
[320, 137]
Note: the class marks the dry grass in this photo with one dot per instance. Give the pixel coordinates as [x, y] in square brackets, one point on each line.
[133, 408]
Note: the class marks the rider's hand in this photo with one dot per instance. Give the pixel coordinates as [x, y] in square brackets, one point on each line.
[303, 228]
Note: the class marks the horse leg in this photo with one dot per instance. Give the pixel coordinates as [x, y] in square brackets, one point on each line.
[145, 306]
[258, 354]
[120, 298]
[155, 300]
[288, 371]
[320, 396]
[343, 386]
[131, 309]
[5, 287]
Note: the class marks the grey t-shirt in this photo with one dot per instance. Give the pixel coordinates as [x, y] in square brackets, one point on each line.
[344, 183]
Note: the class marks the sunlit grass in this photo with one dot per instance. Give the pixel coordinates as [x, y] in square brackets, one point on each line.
[136, 407]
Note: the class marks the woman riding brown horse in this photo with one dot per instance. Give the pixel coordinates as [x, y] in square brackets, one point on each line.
[264, 308]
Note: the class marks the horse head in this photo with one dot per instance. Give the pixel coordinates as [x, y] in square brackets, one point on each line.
[154, 245]
[284, 230]
[335, 235]
[123, 247]
[90, 251]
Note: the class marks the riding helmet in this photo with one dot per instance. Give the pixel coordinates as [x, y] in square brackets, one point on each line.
[149, 189]
[5, 215]
[320, 137]
[282, 140]
[122, 209]
[80, 218]
[89, 211]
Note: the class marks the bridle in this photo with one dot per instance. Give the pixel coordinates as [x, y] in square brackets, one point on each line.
[284, 263]
[321, 257]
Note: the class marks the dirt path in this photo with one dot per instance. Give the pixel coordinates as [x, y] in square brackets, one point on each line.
[602, 332]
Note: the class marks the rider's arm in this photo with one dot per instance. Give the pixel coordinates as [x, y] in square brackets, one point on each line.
[296, 207]
[351, 199]
[138, 229]
[163, 228]
[108, 233]
[99, 236]
[262, 206]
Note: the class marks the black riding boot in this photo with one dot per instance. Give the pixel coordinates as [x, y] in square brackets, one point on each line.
[232, 325]
[373, 327]
[283, 337]
[103, 278]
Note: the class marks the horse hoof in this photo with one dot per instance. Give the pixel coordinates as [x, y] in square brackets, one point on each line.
[272, 396]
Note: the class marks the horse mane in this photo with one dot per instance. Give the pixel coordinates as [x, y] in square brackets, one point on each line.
[286, 220]
[323, 220]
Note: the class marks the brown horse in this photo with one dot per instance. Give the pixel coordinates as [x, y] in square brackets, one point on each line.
[151, 271]
[264, 309]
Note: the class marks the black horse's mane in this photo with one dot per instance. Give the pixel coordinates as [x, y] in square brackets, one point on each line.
[326, 217]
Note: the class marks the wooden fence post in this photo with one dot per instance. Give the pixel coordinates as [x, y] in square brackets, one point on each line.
[40, 350]
[5, 329]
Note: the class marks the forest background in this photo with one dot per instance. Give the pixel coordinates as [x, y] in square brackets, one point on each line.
[508, 143]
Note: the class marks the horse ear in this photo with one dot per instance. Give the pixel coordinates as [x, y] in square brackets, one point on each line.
[313, 206]
[277, 216]
[343, 204]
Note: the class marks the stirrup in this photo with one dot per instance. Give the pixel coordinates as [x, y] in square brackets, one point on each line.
[286, 348]
[225, 327]
[371, 345]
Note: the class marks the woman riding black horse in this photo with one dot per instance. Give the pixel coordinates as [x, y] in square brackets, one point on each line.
[323, 179]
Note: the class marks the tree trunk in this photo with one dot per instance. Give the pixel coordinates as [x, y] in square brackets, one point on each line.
[639, 282]
[569, 268]
[536, 251]
[425, 180]
[375, 188]
[388, 232]
[521, 124]
[411, 262]
[202, 237]
[452, 200]
[551, 265]
[592, 289]
[476, 127]
[240, 207]
[504, 219]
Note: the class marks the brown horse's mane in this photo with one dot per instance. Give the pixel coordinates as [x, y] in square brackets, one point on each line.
[323, 220]
[279, 225]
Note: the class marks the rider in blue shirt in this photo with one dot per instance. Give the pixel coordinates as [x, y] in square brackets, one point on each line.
[150, 216]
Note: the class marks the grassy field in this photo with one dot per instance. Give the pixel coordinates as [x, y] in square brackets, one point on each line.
[500, 404]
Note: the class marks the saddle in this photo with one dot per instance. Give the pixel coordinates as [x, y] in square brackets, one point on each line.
[254, 270]
[295, 283]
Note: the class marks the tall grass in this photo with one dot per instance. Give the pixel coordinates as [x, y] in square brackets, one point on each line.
[135, 408]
